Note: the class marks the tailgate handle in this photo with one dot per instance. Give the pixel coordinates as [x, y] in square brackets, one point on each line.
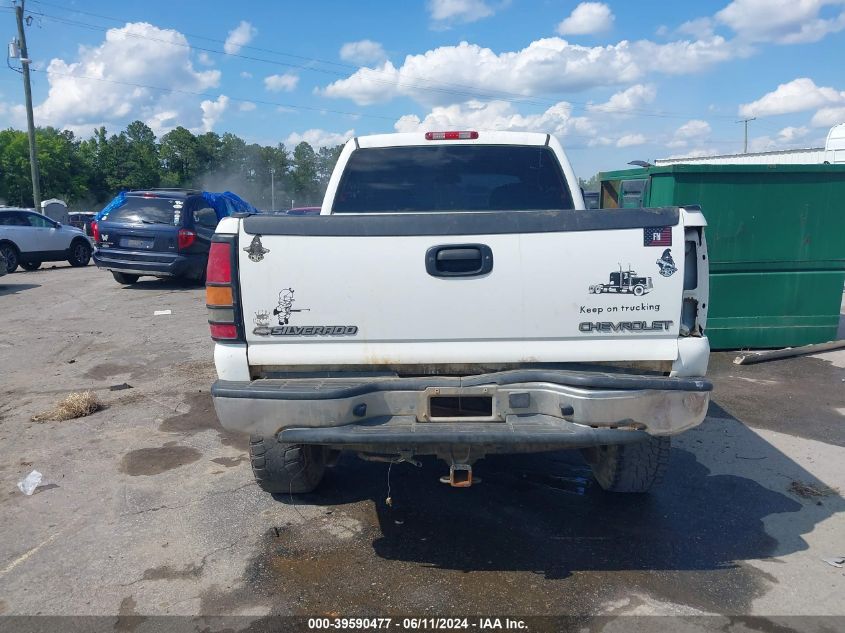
[459, 260]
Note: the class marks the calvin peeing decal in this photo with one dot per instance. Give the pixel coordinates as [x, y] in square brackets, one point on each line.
[284, 310]
[256, 250]
[285, 307]
[624, 281]
[666, 264]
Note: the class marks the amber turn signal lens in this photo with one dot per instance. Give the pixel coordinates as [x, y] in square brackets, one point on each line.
[218, 295]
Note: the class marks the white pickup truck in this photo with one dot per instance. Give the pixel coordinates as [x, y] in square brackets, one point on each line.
[444, 303]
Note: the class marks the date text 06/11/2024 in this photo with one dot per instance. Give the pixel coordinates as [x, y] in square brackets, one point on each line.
[417, 624]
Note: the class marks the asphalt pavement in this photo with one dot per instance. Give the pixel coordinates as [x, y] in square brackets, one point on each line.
[148, 507]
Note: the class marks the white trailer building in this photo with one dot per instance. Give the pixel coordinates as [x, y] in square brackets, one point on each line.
[833, 152]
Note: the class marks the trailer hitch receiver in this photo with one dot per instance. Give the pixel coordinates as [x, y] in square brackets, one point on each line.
[460, 476]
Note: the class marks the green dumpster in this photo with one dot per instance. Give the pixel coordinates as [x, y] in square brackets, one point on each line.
[776, 239]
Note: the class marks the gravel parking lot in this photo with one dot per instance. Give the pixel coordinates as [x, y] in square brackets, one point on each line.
[149, 506]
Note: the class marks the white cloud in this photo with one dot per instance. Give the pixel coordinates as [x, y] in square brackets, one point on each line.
[212, 111]
[701, 152]
[319, 138]
[279, 83]
[828, 117]
[246, 75]
[781, 21]
[587, 18]
[132, 54]
[630, 140]
[498, 115]
[626, 102]
[363, 52]
[246, 106]
[691, 132]
[699, 28]
[549, 65]
[239, 37]
[449, 11]
[205, 59]
[793, 134]
[788, 137]
[795, 96]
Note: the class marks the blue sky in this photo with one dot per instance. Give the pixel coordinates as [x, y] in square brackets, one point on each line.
[615, 81]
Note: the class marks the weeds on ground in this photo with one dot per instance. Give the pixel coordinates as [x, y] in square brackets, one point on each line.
[76, 405]
[807, 491]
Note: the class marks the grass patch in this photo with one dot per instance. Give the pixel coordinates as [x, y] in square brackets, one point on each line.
[76, 405]
[809, 490]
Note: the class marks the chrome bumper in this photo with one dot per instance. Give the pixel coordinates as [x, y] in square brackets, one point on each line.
[561, 408]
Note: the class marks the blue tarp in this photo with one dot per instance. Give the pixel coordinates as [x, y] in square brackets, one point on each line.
[224, 204]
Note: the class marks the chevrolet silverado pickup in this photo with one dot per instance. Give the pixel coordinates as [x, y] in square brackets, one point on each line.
[444, 302]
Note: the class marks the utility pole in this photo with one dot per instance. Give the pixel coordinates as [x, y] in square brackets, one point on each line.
[272, 189]
[30, 119]
[745, 121]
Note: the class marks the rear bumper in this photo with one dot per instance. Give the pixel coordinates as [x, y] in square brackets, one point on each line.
[552, 408]
[151, 263]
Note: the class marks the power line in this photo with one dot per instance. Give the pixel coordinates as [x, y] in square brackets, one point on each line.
[437, 86]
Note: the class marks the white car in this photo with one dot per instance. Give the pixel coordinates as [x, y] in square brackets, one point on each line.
[28, 238]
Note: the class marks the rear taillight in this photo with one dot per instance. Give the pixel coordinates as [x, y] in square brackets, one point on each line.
[220, 292]
[223, 331]
[184, 239]
[95, 231]
[451, 136]
[219, 263]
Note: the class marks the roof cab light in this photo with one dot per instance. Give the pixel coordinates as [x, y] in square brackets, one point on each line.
[451, 136]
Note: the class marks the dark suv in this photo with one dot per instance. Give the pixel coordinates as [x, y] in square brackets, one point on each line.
[160, 232]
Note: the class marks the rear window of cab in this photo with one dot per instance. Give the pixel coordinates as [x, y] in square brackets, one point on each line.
[449, 178]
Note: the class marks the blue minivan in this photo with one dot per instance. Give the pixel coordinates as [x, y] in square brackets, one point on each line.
[160, 232]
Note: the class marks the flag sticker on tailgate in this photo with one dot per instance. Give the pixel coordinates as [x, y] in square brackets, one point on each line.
[657, 236]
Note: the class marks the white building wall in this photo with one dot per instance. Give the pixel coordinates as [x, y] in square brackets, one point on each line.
[811, 156]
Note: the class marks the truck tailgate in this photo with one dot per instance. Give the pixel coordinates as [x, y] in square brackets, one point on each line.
[409, 289]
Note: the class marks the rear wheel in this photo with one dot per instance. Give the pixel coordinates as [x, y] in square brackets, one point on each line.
[80, 253]
[631, 467]
[30, 265]
[10, 254]
[286, 468]
[123, 278]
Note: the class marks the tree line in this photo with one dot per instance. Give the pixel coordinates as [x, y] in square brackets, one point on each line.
[88, 173]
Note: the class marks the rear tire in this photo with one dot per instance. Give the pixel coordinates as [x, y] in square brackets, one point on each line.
[30, 265]
[80, 253]
[286, 468]
[123, 278]
[10, 253]
[631, 467]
